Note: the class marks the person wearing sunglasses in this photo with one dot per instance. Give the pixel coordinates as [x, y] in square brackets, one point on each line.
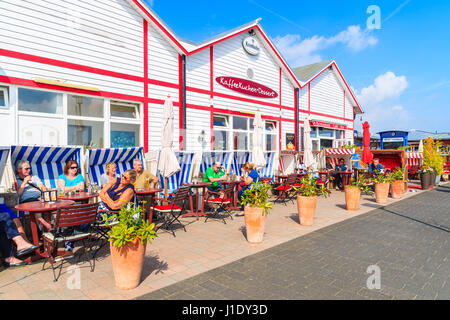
[71, 179]
[29, 187]
[118, 193]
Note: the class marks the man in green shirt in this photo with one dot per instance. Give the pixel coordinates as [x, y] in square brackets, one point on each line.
[215, 175]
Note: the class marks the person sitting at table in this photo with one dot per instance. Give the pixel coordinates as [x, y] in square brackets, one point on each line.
[376, 166]
[330, 165]
[110, 174]
[215, 175]
[29, 189]
[10, 236]
[143, 176]
[337, 176]
[301, 168]
[71, 179]
[118, 193]
[249, 176]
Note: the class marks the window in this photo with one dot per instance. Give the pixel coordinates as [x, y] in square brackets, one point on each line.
[84, 106]
[4, 103]
[236, 133]
[124, 135]
[220, 140]
[271, 135]
[83, 132]
[240, 141]
[313, 132]
[40, 101]
[124, 110]
[326, 133]
[240, 123]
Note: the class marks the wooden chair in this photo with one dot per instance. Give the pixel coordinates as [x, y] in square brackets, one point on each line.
[221, 204]
[174, 208]
[62, 230]
[285, 188]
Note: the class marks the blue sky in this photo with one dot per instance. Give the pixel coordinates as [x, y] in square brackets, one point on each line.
[400, 72]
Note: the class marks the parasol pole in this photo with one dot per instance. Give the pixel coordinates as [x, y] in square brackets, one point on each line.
[165, 188]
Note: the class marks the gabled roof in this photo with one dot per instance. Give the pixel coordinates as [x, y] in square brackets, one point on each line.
[307, 72]
[188, 47]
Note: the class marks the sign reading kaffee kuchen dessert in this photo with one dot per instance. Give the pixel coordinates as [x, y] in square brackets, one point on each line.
[247, 87]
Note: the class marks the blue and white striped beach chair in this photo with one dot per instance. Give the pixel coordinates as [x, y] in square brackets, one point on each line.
[4, 152]
[268, 170]
[46, 162]
[239, 158]
[122, 157]
[182, 176]
[208, 159]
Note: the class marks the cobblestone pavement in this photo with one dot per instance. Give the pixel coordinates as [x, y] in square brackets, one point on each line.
[407, 240]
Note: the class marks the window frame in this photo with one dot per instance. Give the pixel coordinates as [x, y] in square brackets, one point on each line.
[5, 97]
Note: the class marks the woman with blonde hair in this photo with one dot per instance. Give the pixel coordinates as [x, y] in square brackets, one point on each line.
[249, 176]
[109, 175]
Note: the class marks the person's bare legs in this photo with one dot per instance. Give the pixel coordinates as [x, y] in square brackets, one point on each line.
[19, 226]
[12, 260]
[21, 243]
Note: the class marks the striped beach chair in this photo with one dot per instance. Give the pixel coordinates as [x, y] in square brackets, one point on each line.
[4, 153]
[46, 162]
[239, 158]
[208, 159]
[271, 161]
[122, 157]
[182, 176]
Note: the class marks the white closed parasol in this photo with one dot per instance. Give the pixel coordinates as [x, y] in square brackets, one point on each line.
[168, 164]
[257, 152]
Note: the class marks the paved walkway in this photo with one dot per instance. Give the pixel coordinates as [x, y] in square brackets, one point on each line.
[169, 260]
[408, 241]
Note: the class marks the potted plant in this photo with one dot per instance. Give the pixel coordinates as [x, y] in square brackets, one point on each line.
[307, 199]
[437, 162]
[425, 177]
[353, 192]
[397, 183]
[256, 207]
[128, 239]
[382, 182]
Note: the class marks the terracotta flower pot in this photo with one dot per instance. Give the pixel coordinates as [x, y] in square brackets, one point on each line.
[127, 264]
[381, 192]
[306, 208]
[255, 222]
[352, 197]
[397, 189]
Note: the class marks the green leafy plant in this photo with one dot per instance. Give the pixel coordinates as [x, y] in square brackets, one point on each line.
[397, 175]
[348, 146]
[257, 196]
[382, 178]
[362, 184]
[131, 226]
[309, 188]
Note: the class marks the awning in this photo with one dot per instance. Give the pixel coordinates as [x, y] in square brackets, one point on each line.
[414, 155]
[329, 151]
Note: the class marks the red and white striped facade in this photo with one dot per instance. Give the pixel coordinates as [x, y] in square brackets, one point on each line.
[122, 48]
[414, 158]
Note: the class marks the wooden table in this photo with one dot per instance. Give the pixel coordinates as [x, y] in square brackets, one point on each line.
[148, 193]
[197, 186]
[346, 178]
[79, 197]
[43, 208]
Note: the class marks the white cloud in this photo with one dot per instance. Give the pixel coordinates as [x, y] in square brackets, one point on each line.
[301, 52]
[385, 86]
[381, 109]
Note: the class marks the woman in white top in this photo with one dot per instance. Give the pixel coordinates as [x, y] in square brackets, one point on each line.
[109, 175]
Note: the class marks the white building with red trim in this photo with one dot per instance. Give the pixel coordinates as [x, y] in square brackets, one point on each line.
[81, 72]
